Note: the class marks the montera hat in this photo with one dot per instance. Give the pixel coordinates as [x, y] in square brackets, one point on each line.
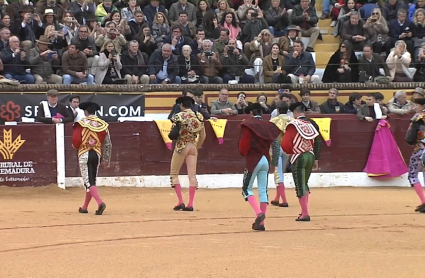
[180, 100]
[86, 105]
[293, 106]
[420, 101]
[254, 106]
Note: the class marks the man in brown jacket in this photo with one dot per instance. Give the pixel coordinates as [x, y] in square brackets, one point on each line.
[75, 66]
[210, 64]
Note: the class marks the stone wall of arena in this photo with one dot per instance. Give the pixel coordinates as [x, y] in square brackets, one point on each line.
[39, 154]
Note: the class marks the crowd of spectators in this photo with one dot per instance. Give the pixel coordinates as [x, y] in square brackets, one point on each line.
[207, 41]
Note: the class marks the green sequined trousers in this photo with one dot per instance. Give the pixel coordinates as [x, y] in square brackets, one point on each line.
[301, 171]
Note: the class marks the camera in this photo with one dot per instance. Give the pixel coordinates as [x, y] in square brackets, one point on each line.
[231, 48]
[113, 52]
[374, 20]
[407, 30]
[254, 15]
[208, 54]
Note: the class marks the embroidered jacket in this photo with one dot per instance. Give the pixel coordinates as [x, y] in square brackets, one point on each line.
[416, 133]
[301, 136]
[281, 121]
[255, 139]
[91, 133]
[191, 126]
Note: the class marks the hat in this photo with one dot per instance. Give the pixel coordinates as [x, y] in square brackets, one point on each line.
[49, 12]
[86, 105]
[294, 28]
[52, 92]
[419, 90]
[180, 100]
[254, 106]
[420, 101]
[43, 40]
[293, 106]
[26, 9]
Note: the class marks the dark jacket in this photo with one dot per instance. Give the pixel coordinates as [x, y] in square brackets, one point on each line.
[61, 110]
[14, 65]
[396, 30]
[194, 65]
[130, 64]
[303, 64]
[349, 30]
[350, 109]
[390, 12]
[372, 68]
[178, 49]
[156, 62]
[150, 12]
[329, 108]
[330, 74]
[234, 65]
[297, 17]
[24, 33]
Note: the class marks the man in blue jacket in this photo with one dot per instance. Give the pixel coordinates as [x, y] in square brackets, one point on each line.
[300, 65]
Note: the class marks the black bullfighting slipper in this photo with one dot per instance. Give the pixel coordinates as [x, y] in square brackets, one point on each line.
[303, 219]
[260, 228]
[80, 210]
[257, 224]
[187, 209]
[421, 208]
[179, 207]
[275, 203]
[284, 205]
[101, 209]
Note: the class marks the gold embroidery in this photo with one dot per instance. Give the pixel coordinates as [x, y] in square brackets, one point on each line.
[191, 125]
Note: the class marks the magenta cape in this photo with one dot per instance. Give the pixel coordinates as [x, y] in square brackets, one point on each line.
[385, 160]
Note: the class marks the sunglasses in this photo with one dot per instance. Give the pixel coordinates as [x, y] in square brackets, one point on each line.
[375, 13]
[342, 46]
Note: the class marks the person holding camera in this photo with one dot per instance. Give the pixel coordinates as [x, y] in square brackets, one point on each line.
[27, 28]
[146, 41]
[210, 64]
[305, 16]
[15, 61]
[111, 33]
[108, 70]
[42, 60]
[377, 28]
[254, 24]
[235, 63]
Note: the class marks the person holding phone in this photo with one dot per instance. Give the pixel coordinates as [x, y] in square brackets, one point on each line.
[108, 70]
[377, 29]
[43, 60]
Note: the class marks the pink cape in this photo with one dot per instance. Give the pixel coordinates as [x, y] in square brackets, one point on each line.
[385, 160]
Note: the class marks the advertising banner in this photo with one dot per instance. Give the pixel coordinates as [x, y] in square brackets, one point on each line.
[15, 106]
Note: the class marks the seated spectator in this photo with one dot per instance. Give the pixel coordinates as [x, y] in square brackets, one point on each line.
[5, 21]
[260, 47]
[311, 107]
[368, 111]
[210, 64]
[160, 29]
[243, 10]
[202, 8]
[136, 24]
[42, 60]
[354, 103]
[342, 66]
[352, 30]
[56, 39]
[163, 67]
[376, 27]
[87, 43]
[418, 93]
[189, 29]
[277, 19]
[146, 41]
[229, 22]
[262, 100]
[82, 9]
[4, 38]
[370, 63]
[104, 10]
[400, 30]
[56, 7]
[223, 7]
[274, 67]
[418, 30]
[380, 99]
[75, 66]
[70, 25]
[211, 26]
[252, 29]
[301, 64]
[27, 28]
[286, 43]
[223, 40]
[332, 105]
[344, 15]
[153, 9]
[305, 16]
[134, 64]
[189, 71]
[109, 66]
[197, 44]
[179, 6]
[111, 33]
[391, 8]
[176, 39]
[198, 96]
[222, 106]
[241, 103]
[419, 4]
[400, 105]
[398, 63]
[420, 66]
[287, 98]
[128, 12]
[53, 112]
[15, 62]
[235, 63]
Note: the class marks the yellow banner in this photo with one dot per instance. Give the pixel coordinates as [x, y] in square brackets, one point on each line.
[219, 126]
[325, 129]
[164, 127]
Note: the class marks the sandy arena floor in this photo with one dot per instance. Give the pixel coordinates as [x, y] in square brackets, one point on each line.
[354, 232]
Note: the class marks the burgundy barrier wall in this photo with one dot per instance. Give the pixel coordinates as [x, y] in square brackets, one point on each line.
[138, 149]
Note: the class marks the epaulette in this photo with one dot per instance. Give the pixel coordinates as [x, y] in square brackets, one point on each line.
[418, 116]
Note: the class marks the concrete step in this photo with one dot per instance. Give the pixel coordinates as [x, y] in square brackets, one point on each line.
[322, 58]
[325, 23]
[326, 30]
[325, 47]
[328, 39]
